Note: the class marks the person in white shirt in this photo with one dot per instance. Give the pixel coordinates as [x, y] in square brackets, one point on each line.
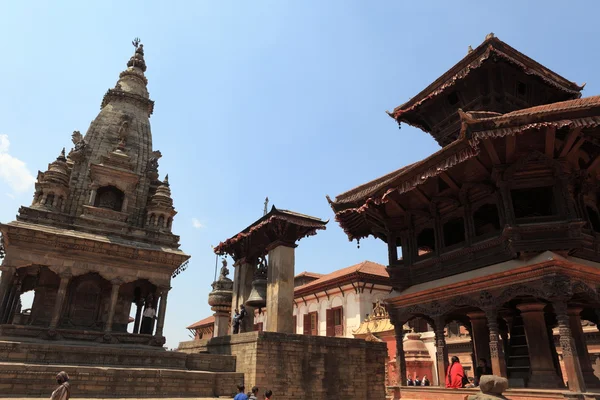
[148, 319]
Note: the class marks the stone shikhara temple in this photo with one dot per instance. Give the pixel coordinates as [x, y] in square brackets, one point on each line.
[499, 230]
[96, 240]
[95, 246]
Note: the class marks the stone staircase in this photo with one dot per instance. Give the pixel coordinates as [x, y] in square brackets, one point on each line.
[29, 369]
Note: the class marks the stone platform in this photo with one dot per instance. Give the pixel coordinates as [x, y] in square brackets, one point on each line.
[439, 393]
[307, 367]
[105, 371]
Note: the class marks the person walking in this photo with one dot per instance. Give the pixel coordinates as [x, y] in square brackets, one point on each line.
[63, 391]
[252, 395]
[241, 395]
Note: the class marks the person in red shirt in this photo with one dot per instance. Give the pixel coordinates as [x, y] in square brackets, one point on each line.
[456, 374]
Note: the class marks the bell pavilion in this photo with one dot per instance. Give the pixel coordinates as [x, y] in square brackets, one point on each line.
[499, 229]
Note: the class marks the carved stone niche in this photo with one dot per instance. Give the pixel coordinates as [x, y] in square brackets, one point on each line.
[112, 191]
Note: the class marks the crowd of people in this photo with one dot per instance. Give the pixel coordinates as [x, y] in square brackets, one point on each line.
[252, 395]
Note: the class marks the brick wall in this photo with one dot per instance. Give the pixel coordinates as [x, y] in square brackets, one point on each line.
[22, 380]
[301, 367]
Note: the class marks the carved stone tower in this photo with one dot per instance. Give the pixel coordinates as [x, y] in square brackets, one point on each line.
[97, 236]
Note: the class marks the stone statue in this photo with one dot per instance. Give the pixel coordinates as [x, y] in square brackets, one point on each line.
[123, 130]
[76, 137]
[78, 141]
[153, 162]
[224, 271]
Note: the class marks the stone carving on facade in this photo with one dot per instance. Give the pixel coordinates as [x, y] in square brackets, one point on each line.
[78, 150]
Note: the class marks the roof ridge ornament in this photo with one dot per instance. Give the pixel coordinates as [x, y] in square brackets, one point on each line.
[490, 36]
[137, 60]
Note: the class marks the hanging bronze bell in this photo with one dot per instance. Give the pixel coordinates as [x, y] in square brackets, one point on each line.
[258, 294]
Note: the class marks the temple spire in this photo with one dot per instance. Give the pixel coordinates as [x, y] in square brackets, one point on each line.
[137, 60]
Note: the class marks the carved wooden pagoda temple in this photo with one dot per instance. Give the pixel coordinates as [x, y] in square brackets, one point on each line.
[499, 229]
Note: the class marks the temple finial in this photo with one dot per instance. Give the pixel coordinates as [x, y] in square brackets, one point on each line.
[490, 36]
[62, 156]
[166, 181]
[470, 49]
[137, 60]
[266, 205]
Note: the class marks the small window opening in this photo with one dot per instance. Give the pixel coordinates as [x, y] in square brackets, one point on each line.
[594, 218]
[442, 185]
[454, 231]
[109, 197]
[486, 219]
[521, 89]
[426, 241]
[534, 202]
[50, 200]
[453, 98]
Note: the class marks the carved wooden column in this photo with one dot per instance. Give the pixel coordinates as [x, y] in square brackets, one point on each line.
[392, 249]
[569, 350]
[497, 358]
[114, 295]
[5, 289]
[162, 311]
[441, 350]
[543, 373]
[480, 335]
[591, 380]
[65, 278]
[400, 360]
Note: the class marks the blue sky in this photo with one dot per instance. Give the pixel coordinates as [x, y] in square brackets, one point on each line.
[253, 99]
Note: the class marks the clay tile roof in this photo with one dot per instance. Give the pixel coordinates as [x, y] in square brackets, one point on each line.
[202, 323]
[406, 177]
[365, 269]
[308, 274]
[567, 105]
[475, 59]
[367, 189]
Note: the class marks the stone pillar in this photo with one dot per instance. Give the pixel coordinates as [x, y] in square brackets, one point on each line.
[13, 300]
[280, 288]
[480, 335]
[569, 349]
[5, 289]
[138, 315]
[242, 286]
[162, 311]
[496, 350]
[93, 196]
[543, 373]
[441, 351]
[591, 380]
[65, 278]
[114, 295]
[400, 360]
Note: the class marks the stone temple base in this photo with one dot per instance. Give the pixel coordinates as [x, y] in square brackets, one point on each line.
[35, 332]
[29, 369]
[307, 367]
